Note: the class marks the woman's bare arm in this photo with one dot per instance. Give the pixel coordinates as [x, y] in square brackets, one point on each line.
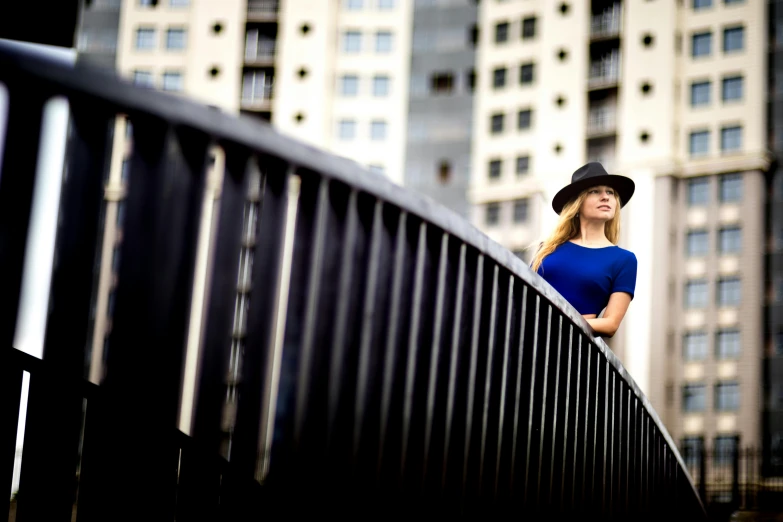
[613, 315]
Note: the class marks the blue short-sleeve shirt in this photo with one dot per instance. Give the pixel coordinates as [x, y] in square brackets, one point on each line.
[586, 277]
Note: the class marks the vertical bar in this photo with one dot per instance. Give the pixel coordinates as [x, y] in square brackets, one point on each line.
[488, 375]
[369, 322]
[567, 410]
[543, 401]
[532, 399]
[611, 437]
[587, 423]
[343, 304]
[17, 180]
[401, 250]
[454, 362]
[314, 281]
[518, 388]
[474, 346]
[10, 395]
[504, 377]
[413, 343]
[554, 413]
[576, 418]
[436, 341]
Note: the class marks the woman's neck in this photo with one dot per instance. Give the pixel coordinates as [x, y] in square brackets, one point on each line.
[592, 233]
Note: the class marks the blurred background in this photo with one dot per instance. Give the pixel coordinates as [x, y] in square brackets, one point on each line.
[488, 107]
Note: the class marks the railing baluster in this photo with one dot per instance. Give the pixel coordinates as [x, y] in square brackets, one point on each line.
[471, 384]
[542, 423]
[457, 341]
[518, 388]
[490, 350]
[566, 426]
[504, 380]
[555, 404]
[532, 396]
[435, 356]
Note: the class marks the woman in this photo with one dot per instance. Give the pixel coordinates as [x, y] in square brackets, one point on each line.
[581, 259]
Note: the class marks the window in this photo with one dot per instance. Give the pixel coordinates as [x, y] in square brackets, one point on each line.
[727, 344]
[520, 210]
[494, 169]
[143, 79]
[496, 123]
[473, 35]
[698, 191]
[385, 5]
[499, 77]
[347, 129]
[172, 81]
[444, 171]
[148, 3]
[528, 27]
[523, 165]
[501, 32]
[179, 3]
[700, 93]
[730, 240]
[493, 214]
[727, 396]
[145, 38]
[701, 44]
[378, 130]
[175, 39]
[694, 346]
[733, 39]
[732, 88]
[120, 213]
[524, 119]
[526, 73]
[383, 42]
[471, 80]
[730, 188]
[725, 449]
[257, 86]
[731, 139]
[732, 2]
[729, 291]
[354, 4]
[442, 83]
[352, 41]
[702, 4]
[349, 85]
[694, 397]
[696, 294]
[380, 86]
[696, 243]
[699, 143]
[691, 449]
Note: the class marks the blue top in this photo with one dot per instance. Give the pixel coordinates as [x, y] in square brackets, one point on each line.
[586, 277]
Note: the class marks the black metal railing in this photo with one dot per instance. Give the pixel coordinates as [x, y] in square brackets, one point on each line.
[394, 359]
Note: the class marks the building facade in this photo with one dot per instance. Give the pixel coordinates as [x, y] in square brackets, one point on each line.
[440, 108]
[673, 95]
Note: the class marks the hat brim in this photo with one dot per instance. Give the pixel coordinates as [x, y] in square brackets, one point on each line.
[624, 186]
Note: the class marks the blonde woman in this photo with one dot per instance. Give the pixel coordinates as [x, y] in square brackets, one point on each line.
[581, 259]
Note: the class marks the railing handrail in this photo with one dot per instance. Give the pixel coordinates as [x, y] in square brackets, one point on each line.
[123, 97]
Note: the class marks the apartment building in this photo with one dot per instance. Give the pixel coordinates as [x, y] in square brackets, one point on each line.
[440, 108]
[673, 95]
[342, 78]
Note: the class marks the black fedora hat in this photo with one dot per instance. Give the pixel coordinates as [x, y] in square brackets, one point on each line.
[591, 175]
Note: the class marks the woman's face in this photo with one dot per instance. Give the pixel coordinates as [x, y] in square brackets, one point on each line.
[600, 204]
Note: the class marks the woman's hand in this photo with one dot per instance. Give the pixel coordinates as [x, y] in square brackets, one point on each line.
[607, 325]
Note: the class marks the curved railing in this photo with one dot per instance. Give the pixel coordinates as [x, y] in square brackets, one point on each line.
[393, 359]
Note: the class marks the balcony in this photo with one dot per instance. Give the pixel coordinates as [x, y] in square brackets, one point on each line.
[605, 72]
[606, 24]
[259, 51]
[262, 10]
[601, 121]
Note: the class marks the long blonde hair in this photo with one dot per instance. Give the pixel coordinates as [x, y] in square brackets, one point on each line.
[568, 227]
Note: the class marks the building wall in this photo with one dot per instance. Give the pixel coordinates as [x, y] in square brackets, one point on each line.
[312, 107]
[440, 117]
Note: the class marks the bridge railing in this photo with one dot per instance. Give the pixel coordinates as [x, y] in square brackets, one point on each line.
[389, 357]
